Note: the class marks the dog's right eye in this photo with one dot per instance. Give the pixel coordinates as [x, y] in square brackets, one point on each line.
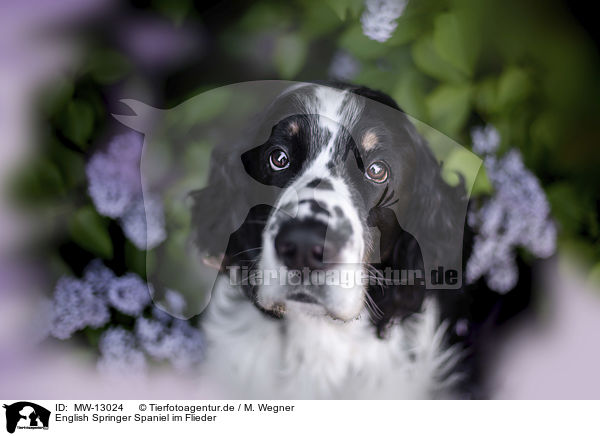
[278, 159]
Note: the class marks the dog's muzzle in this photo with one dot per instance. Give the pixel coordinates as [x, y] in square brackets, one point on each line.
[307, 244]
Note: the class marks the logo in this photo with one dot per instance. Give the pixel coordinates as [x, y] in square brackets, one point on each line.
[26, 415]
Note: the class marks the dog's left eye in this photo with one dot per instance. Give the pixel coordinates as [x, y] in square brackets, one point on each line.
[378, 172]
[279, 160]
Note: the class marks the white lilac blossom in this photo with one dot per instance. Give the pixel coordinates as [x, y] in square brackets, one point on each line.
[119, 354]
[128, 294]
[379, 18]
[144, 222]
[343, 66]
[517, 215]
[114, 175]
[169, 339]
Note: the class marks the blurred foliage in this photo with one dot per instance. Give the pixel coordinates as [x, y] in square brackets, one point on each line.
[526, 67]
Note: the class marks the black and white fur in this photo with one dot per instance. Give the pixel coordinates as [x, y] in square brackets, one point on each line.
[331, 341]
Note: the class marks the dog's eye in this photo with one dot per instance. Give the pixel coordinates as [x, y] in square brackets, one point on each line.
[377, 172]
[278, 159]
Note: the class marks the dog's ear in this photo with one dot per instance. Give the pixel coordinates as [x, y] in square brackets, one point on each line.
[437, 211]
[400, 294]
[429, 225]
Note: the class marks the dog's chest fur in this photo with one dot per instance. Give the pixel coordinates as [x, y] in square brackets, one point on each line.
[253, 356]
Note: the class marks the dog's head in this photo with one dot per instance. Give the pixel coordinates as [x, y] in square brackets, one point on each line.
[348, 189]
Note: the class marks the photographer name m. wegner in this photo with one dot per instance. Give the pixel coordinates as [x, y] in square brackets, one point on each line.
[343, 277]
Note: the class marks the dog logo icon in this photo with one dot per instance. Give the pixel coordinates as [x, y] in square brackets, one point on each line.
[26, 415]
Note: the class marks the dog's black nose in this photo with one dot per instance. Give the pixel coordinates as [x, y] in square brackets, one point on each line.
[301, 244]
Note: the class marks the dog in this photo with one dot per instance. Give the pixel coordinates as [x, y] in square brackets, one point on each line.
[352, 191]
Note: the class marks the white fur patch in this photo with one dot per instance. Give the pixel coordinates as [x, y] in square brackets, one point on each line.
[252, 356]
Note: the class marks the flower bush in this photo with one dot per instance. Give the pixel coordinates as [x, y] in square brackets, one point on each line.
[458, 66]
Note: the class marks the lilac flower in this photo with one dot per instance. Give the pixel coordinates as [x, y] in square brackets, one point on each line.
[119, 354]
[379, 19]
[518, 214]
[114, 184]
[175, 302]
[343, 66]
[152, 337]
[128, 294]
[172, 305]
[144, 222]
[76, 305]
[190, 345]
[485, 140]
[161, 315]
[114, 175]
[175, 341]
[98, 277]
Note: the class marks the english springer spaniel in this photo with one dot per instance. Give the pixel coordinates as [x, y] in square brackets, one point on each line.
[354, 192]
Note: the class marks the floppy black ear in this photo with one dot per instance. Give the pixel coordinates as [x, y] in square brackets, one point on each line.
[437, 211]
[400, 290]
[431, 224]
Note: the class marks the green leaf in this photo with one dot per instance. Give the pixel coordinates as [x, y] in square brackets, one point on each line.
[319, 19]
[455, 42]
[77, 122]
[449, 107]
[89, 230]
[176, 10]
[486, 95]
[357, 44]
[70, 162]
[200, 109]
[289, 56]
[429, 61]
[261, 16]
[107, 66]
[376, 78]
[139, 261]
[568, 206]
[410, 25]
[514, 86]
[462, 161]
[409, 92]
[41, 181]
[93, 335]
[345, 8]
[57, 96]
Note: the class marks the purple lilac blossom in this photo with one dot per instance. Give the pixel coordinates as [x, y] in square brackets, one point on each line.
[379, 18]
[119, 353]
[114, 184]
[175, 341]
[144, 222]
[114, 175]
[76, 305]
[128, 294]
[343, 66]
[173, 304]
[517, 215]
